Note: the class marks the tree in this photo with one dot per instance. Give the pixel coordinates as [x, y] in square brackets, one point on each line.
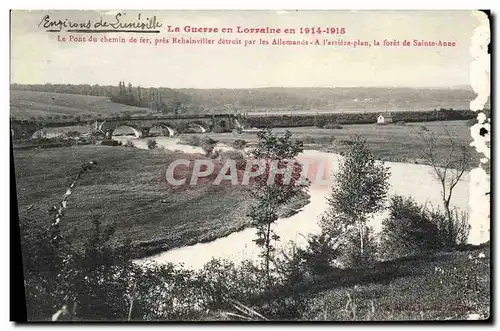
[121, 87]
[130, 95]
[151, 143]
[275, 154]
[359, 190]
[448, 170]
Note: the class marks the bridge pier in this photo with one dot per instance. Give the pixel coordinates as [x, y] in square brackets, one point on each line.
[109, 134]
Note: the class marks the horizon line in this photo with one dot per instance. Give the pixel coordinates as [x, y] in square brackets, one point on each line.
[458, 86]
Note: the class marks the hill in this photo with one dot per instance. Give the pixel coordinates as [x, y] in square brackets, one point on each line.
[126, 188]
[25, 104]
[443, 286]
[45, 100]
[334, 99]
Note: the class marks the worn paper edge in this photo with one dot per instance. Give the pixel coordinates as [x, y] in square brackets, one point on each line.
[479, 184]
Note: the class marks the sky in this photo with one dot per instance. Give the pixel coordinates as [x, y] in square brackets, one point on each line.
[37, 57]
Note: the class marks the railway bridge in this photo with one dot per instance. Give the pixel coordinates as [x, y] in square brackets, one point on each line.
[140, 125]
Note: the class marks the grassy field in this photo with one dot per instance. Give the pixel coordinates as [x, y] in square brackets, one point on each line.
[126, 188]
[25, 104]
[445, 286]
[400, 143]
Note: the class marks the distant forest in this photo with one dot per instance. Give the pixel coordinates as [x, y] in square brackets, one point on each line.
[274, 98]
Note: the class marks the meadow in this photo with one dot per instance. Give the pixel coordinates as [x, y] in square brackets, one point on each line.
[126, 189]
[26, 104]
[391, 142]
[449, 285]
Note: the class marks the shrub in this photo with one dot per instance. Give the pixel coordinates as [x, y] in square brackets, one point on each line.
[319, 254]
[320, 122]
[413, 229]
[237, 156]
[239, 144]
[215, 154]
[350, 256]
[453, 231]
[72, 134]
[308, 140]
[109, 142]
[208, 146]
[191, 140]
[333, 126]
[223, 281]
[152, 144]
[409, 230]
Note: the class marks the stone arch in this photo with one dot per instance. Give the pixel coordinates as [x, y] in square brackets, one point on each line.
[168, 127]
[171, 131]
[137, 132]
[199, 125]
[109, 129]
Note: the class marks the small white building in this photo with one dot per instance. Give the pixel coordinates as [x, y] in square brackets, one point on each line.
[384, 119]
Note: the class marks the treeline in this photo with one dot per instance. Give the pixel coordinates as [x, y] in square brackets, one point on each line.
[340, 98]
[157, 99]
[357, 118]
[262, 99]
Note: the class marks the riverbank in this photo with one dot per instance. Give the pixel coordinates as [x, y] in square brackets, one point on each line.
[239, 246]
[128, 189]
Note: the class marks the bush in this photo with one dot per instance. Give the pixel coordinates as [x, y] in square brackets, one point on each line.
[208, 146]
[412, 229]
[152, 144]
[191, 140]
[239, 144]
[333, 126]
[223, 281]
[320, 122]
[308, 140]
[409, 230]
[319, 254]
[237, 156]
[452, 232]
[215, 154]
[350, 255]
[110, 142]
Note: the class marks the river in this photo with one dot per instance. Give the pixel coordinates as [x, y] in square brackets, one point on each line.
[406, 179]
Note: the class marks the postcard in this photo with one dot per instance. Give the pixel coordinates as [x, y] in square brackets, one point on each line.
[256, 165]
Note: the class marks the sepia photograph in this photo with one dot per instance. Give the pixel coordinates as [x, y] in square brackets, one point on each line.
[251, 165]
